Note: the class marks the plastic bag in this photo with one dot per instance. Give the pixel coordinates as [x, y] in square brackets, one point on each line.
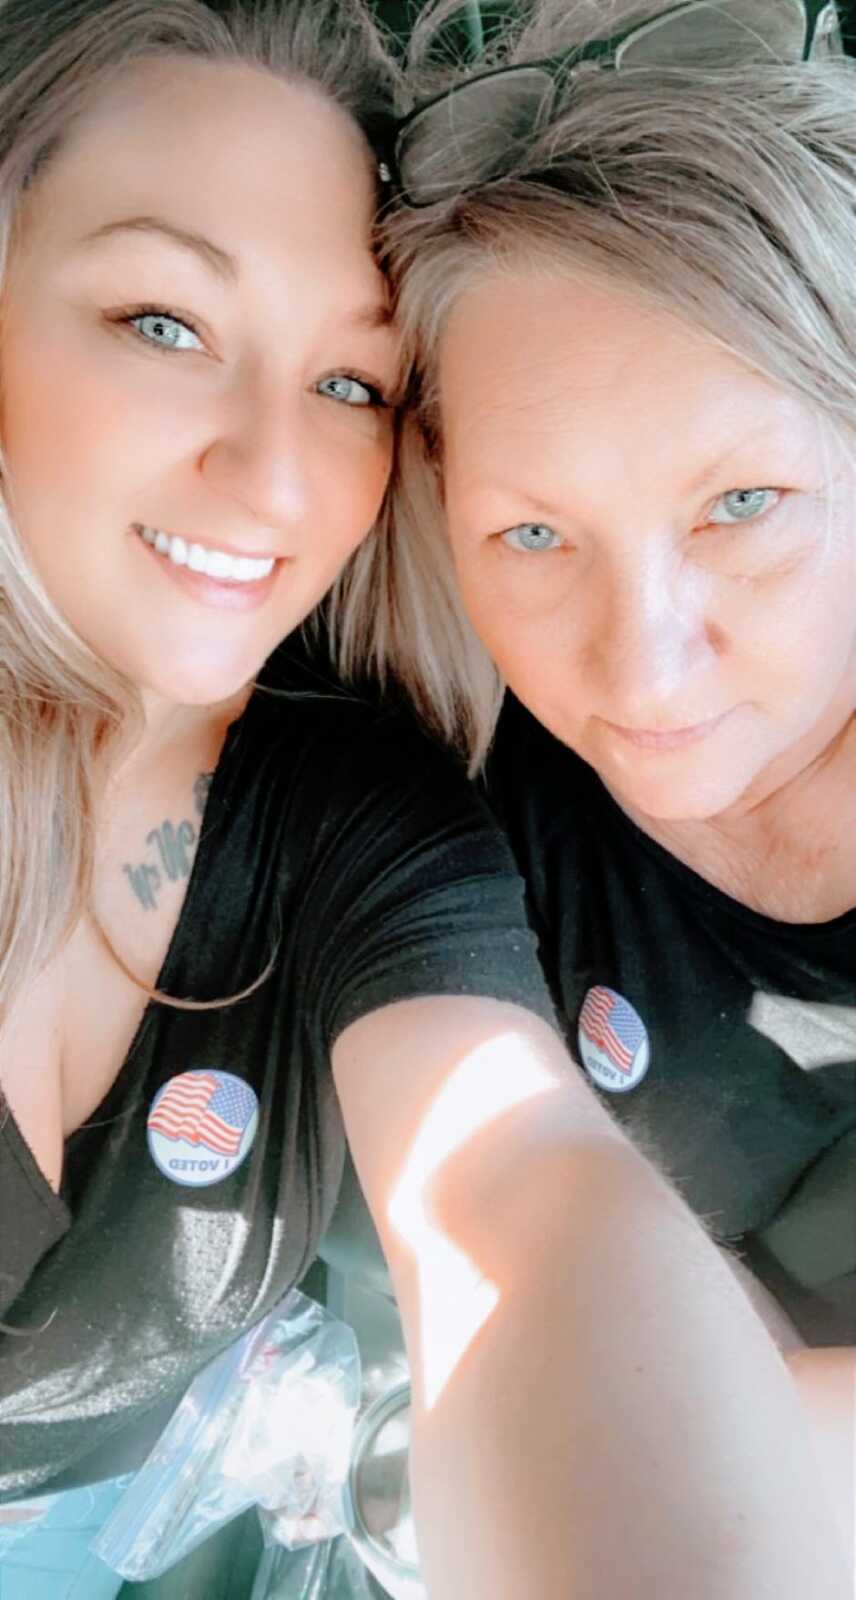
[331, 1571]
[269, 1422]
[45, 1545]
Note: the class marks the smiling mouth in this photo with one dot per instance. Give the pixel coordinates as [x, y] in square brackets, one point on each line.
[673, 739]
[220, 565]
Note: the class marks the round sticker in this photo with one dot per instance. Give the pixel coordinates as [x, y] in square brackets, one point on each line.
[612, 1040]
[201, 1125]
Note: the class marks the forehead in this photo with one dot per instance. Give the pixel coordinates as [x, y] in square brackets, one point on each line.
[527, 357]
[222, 149]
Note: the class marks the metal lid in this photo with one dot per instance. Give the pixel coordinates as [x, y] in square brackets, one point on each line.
[381, 1523]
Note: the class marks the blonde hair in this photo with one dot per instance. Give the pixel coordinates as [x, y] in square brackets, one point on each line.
[61, 709]
[725, 195]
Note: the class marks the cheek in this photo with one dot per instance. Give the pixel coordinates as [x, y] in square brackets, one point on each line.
[54, 432]
[353, 482]
[530, 642]
[69, 430]
[520, 606]
[376, 468]
[796, 635]
[484, 604]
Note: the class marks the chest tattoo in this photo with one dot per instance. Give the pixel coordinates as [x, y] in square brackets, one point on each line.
[201, 789]
[171, 849]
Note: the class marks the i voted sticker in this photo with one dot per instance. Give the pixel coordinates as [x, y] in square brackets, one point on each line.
[612, 1041]
[201, 1125]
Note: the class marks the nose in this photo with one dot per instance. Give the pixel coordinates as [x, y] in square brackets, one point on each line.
[260, 456]
[649, 639]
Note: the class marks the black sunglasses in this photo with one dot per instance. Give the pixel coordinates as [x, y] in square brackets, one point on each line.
[473, 131]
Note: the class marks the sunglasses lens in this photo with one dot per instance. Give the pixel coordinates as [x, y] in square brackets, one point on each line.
[717, 31]
[470, 134]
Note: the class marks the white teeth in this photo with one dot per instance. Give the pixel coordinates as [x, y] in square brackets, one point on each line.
[219, 565]
[213, 563]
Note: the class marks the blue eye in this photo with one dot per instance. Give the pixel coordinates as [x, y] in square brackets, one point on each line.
[744, 505]
[350, 391]
[531, 537]
[164, 331]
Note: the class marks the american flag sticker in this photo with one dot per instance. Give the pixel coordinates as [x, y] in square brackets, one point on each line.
[612, 1040]
[201, 1125]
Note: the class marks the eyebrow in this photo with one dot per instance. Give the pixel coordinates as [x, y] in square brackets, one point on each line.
[552, 511]
[216, 260]
[224, 266]
[765, 431]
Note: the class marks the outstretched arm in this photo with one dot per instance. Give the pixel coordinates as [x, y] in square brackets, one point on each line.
[826, 1384]
[598, 1411]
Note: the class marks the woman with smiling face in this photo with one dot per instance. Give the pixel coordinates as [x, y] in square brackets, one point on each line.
[238, 922]
[636, 334]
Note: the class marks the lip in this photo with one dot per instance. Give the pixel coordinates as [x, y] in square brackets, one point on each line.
[671, 739]
[224, 594]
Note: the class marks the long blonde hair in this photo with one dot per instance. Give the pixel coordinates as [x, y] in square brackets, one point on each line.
[61, 709]
[724, 194]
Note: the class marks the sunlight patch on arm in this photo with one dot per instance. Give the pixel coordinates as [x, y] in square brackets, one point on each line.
[455, 1297]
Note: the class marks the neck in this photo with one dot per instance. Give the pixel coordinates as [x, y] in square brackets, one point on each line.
[785, 848]
[169, 731]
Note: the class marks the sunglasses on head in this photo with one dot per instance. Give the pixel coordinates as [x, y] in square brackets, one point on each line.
[472, 132]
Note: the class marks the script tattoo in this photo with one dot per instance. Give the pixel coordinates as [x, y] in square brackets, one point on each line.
[172, 847]
[201, 790]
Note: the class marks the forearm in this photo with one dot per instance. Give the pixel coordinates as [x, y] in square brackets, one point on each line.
[599, 1414]
[622, 1425]
[826, 1384]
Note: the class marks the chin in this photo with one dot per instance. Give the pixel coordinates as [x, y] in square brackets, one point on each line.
[679, 798]
[201, 682]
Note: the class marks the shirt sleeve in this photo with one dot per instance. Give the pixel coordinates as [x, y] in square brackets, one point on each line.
[807, 1254]
[413, 890]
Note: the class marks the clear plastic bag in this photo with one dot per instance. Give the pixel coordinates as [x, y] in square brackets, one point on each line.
[330, 1571]
[269, 1422]
[45, 1545]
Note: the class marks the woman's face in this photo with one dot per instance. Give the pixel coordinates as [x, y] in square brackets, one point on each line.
[656, 545]
[195, 343]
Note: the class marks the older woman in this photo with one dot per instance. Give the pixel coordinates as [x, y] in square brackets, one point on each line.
[626, 267]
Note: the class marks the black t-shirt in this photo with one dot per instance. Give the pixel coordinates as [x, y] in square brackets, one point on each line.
[338, 834]
[724, 1041]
